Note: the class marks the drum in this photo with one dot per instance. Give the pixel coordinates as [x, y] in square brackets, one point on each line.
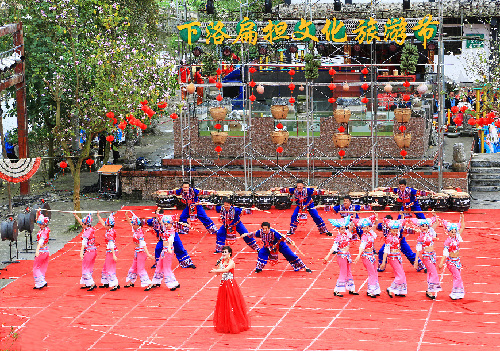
[263, 200]
[460, 202]
[8, 230]
[221, 196]
[425, 202]
[449, 191]
[207, 198]
[441, 201]
[377, 197]
[392, 202]
[178, 203]
[330, 198]
[243, 199]
[357, 198]
[163, 200]
[282, 201]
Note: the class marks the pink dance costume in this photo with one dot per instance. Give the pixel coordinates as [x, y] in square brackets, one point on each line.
[41, 262]
[89, 255]
[452, 245]
[138, 267]
[425, 240]
[393, 249]
[108, 275]
[370, 261]
[164, 264]
[345, 280]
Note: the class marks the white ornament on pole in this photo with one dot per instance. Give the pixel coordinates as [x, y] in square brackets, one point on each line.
[422, 88]
[388, 88]
[345, 87]
[260, 89]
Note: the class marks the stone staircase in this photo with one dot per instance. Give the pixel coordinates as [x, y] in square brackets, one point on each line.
[484, 175]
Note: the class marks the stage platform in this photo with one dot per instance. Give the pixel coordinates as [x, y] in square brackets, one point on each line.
[289, 310]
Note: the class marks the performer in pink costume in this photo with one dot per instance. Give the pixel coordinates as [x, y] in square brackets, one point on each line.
[425, 246]
[108, 275]
[138, 267]
[366, 251]
[164, 263]
[341, 248]
[451, 255]
[88, 252]
[41, 261]
[392, 253]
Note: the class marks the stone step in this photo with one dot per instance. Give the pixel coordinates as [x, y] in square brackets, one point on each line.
[482, 176]
[487, 182]
[482, 170]
[484, 188]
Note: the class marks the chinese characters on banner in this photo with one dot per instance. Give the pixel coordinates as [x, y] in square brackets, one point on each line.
[334, 31]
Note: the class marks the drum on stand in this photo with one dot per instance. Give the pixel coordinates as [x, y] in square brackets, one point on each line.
[243, 199]
[450, 191]
[163, 200]
[393, 203]
[460, 201]
[330, 198]
[425, 202]
[221, 196]
[207, 198]
[441, 201]
[263, 200]
[282, 201]
[357, 198]
[377, 200]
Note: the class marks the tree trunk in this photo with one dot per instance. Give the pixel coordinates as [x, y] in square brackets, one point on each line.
[76, 186]
[52, 161]
[106, 153]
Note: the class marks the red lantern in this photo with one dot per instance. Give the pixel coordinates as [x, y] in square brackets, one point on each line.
[456, 120]
[454, 109]
[110, 115]
[332, 86]
[341, 129]
[251, 84]
[472, 121]
[211, 80]
[63, 165]
[174, 116]
[463, 109]
[218, 85]
[143, 126]
[110, 138]
[252, 98]
[219, 71]
[219, 98]
[89, 163]
[406, 97]
[291, 86]
[491, 115]
[341, 153]
[252, 70]
[218, 149]
[279, 149]
[291, 72]
[332, 72]
[406, 84]
[480, 121]
[145, 102]
[122, 125]
[364, 100]
[279, 126]
[403, 153]
[217, 126]
[292, 100]
[402, 129]
[364, 86]
[162, 105]
[364, 71]
[331, 100]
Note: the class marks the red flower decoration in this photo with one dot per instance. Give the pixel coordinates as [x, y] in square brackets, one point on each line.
[491, 115]
[332, 86]
[406, 84]
[143, 126]
[463, 109]
[364, 100]
[115, 121]
[332, 72]
[252, 98]
[291, 72]
[63, 164]
[218, 85]
[219, 98]
[279, 149]
[341, 129]
[402, 129]
[403, 153]
[252, 70]
[110, 138]
[454, 109]
[364, 71]
[145, 102]
[364, 86]
[251, 84]
[279, 126]
[341, 153]
[291, 86]
[480, 121]
[174, 116]
[211, 80]
[292, 100]
[219, 71]
[110, 115]
[218, 149]
[331, 100]
[406, 97]
[162, 105]
[472, 121]
[217, 126]
[129, 117]
[122, 125]
[497, 124]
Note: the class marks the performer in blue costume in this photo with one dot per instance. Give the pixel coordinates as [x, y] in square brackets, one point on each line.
[304, 201]
[231, 223]
[407, 197]
[190, 198]
[179, 250]
[272, 243]
[348, 209]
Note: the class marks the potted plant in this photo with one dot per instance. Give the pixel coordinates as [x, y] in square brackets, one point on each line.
[409, 59]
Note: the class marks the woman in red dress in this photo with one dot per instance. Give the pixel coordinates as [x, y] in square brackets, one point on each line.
[230, 310]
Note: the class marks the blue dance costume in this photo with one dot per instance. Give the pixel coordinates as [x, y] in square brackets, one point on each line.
[272, 243]
[349, 211]
[304, 202]
[231, 224]
[408, 200]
